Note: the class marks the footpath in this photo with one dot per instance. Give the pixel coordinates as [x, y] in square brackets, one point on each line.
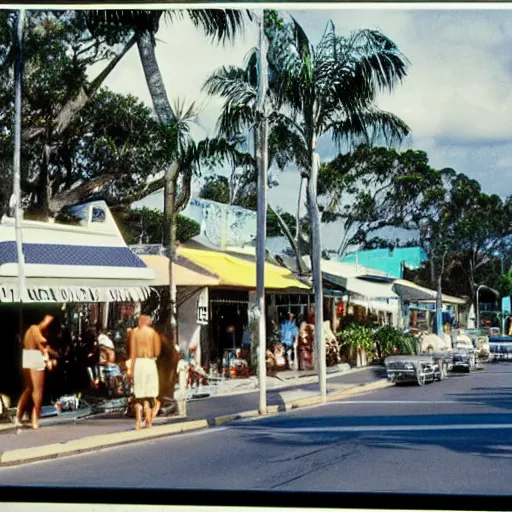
[79, 432]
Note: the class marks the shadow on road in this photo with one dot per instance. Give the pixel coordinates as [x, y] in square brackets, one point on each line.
[322, 433]
[491, 396]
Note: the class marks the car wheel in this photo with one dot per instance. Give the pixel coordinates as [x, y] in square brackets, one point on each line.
[442, 371]
[421, 378]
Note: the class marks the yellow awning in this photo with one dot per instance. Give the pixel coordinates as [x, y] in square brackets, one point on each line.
[182, 276]
[238, 272]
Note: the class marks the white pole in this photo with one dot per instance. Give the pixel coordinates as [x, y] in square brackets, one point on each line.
[262, 159]
[17, 157]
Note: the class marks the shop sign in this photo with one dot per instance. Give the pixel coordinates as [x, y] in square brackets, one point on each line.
[202, 307]
[71, 294]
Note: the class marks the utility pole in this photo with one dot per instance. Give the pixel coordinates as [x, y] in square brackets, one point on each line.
[261, 235]
[16, 197]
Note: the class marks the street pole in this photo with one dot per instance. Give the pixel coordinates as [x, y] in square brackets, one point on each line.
[262, 161]
[17, 162]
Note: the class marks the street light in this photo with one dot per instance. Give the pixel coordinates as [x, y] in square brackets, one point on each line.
[477, 303]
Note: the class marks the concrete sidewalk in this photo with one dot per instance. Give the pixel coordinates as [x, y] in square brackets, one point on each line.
[62, 436]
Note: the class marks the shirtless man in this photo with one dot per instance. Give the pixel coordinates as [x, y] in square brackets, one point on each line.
[145, 348]
[35, 361]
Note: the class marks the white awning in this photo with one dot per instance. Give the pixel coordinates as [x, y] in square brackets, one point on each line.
[62, 291]
[412, 292]
[370, 289]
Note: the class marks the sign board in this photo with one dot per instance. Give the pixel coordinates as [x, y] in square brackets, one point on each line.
[74, 294]
[202, 307]
[505, 305]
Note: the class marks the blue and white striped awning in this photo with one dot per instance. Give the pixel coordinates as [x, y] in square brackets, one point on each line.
[69, 263]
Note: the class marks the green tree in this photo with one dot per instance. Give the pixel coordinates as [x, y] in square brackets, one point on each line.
[183, 154]
[59, 53]
[145, 225]
[315, 91]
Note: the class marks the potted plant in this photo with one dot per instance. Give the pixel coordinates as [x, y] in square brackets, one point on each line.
[358, 340]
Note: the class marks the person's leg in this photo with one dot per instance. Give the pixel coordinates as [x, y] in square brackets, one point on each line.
[25, 396]
[147, 413]
[37, 395]
[155, 410]
[138, 415]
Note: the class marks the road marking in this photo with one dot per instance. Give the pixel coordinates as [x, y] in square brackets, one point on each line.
[379, 428]
[408, 402]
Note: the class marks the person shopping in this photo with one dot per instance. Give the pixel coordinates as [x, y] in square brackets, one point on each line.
[35, 360]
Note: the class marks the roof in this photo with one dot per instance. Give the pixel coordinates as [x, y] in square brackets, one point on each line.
[183, 276]
[341, 269]
[413, 292]
[239, 272]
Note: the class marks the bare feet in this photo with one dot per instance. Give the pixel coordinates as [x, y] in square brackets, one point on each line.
[35, 426]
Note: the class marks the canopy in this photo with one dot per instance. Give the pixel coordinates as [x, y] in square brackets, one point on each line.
[69, 263]
[239, 272]
[412, 292]
[370, 289]
[183, 276]
[337, 268]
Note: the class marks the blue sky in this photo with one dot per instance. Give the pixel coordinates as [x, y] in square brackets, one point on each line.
[457, 97]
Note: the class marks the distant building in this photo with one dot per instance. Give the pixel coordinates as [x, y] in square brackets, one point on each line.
[392, 262]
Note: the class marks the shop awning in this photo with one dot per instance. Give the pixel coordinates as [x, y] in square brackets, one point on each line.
[55, 290]
[69, 263]
[370, 289]
[183, 276]
[411, 292]
[240, 273]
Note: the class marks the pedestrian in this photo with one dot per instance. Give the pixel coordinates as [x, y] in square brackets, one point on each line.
[289, 334]
[145, 348]
[35, 360]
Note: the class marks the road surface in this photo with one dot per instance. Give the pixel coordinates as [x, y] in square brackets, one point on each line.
[446, 437]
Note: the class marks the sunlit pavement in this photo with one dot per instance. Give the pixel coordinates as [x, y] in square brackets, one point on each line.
[451, 436]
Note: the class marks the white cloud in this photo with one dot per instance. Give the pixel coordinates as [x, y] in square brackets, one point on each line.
[457, 97]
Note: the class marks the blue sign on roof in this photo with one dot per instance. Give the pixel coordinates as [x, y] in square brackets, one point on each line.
[389, 261]
[76, 255]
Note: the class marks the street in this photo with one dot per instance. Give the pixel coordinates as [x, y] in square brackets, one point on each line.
[446, 437]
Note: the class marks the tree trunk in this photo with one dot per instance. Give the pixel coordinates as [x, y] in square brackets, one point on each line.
[296, 247]
[439, 297]
[316, 261]
[166, 116]
[154, 79]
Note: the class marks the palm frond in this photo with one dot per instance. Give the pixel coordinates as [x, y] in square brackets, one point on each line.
[367, 125]
[220, 25]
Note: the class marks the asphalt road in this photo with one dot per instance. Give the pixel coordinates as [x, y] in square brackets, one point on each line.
[446, 437]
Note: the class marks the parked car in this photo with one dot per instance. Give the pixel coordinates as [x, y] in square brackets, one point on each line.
[463, 358]
[416, 368]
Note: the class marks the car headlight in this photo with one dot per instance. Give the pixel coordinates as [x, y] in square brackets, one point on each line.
[408, 366]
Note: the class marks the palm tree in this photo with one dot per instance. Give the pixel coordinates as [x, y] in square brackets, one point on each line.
[219, 25]
[329, 89]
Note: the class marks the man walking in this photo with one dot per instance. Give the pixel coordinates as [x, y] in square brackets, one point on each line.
[145, 348]
[289, 333]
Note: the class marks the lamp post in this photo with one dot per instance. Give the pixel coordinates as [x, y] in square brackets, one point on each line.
[477, 312]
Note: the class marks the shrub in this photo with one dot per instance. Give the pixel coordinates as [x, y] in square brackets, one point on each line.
[390, 338]
[356, 336]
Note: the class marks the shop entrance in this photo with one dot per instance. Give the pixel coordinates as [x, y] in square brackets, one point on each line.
[228, 319]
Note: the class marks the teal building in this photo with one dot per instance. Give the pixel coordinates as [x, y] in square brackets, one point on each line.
[392, 262]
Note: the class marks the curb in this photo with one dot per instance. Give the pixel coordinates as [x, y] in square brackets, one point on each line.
[93, 443]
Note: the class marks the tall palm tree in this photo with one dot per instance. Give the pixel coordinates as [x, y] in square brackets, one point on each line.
[330, 89]
[218, 24]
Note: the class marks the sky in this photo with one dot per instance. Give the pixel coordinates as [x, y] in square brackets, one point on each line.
[457, 96]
